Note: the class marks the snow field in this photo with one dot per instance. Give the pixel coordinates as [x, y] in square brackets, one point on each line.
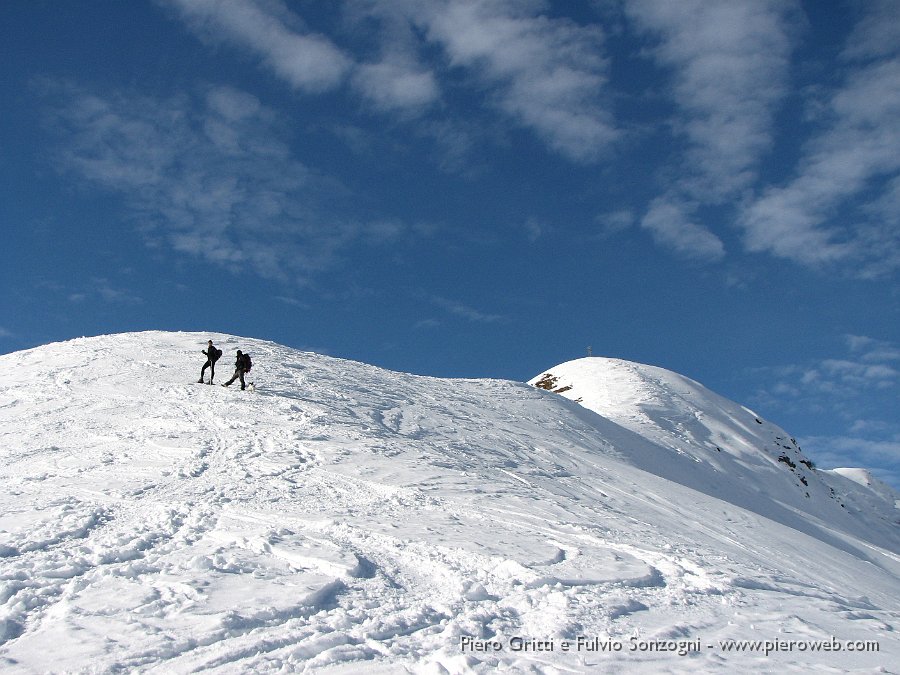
[343, 518]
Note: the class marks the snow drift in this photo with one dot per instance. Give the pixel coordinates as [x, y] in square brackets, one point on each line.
[343, 517]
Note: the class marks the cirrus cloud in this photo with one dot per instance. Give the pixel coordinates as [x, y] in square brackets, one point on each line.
[306, 60]
[728, 65]
[854, 391]
[840, 206]
[546, 74]
[209, 176]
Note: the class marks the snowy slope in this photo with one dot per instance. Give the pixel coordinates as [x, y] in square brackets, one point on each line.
[727, 450]
[345, 518]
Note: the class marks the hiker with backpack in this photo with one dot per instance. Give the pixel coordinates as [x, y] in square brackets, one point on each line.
[242, 365]
[212, 355]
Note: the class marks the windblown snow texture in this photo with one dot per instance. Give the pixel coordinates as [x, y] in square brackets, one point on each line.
[343, 518]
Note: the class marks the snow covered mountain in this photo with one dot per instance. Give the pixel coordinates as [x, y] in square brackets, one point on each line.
[714, 445]
[346, 518]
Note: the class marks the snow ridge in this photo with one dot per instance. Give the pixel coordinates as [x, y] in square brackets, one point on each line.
[727, 449]
[343, 517]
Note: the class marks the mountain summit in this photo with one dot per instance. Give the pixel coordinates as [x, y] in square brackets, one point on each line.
[715, 445]
[342, 517]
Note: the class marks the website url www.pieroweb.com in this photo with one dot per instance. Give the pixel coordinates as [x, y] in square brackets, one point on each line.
[681, 647]
[772, 646]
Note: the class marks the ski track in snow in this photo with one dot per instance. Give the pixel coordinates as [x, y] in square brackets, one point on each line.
[344, 518]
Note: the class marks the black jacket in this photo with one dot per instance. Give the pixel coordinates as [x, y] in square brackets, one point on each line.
[212, 354]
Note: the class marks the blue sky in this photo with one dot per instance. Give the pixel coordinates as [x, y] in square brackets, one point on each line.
[478, 189]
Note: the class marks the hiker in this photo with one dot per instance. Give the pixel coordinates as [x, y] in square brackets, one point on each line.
[212, 355]
[241, 366]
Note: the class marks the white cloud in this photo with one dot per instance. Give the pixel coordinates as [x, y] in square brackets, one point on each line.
[879, 456]
[102, 289]
[839, 207]
[305, 60]
[211, 178]
[397, 80]
[866, 369]
[292, 301]
[234, 105]
[729, 65]
[862, 426]
[869, 368]
[615, 222]
[858, 343]
[396, 84]
[672, 228]
[547, 74]
[878, 32]
[855, 393]
[464, 311]
[534, 229]
[456, 141]
[112, 294]
[854, 373]
[308, 62]
[869, 349]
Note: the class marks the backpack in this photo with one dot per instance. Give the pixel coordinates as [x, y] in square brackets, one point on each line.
[216, 354]
[247, 363]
